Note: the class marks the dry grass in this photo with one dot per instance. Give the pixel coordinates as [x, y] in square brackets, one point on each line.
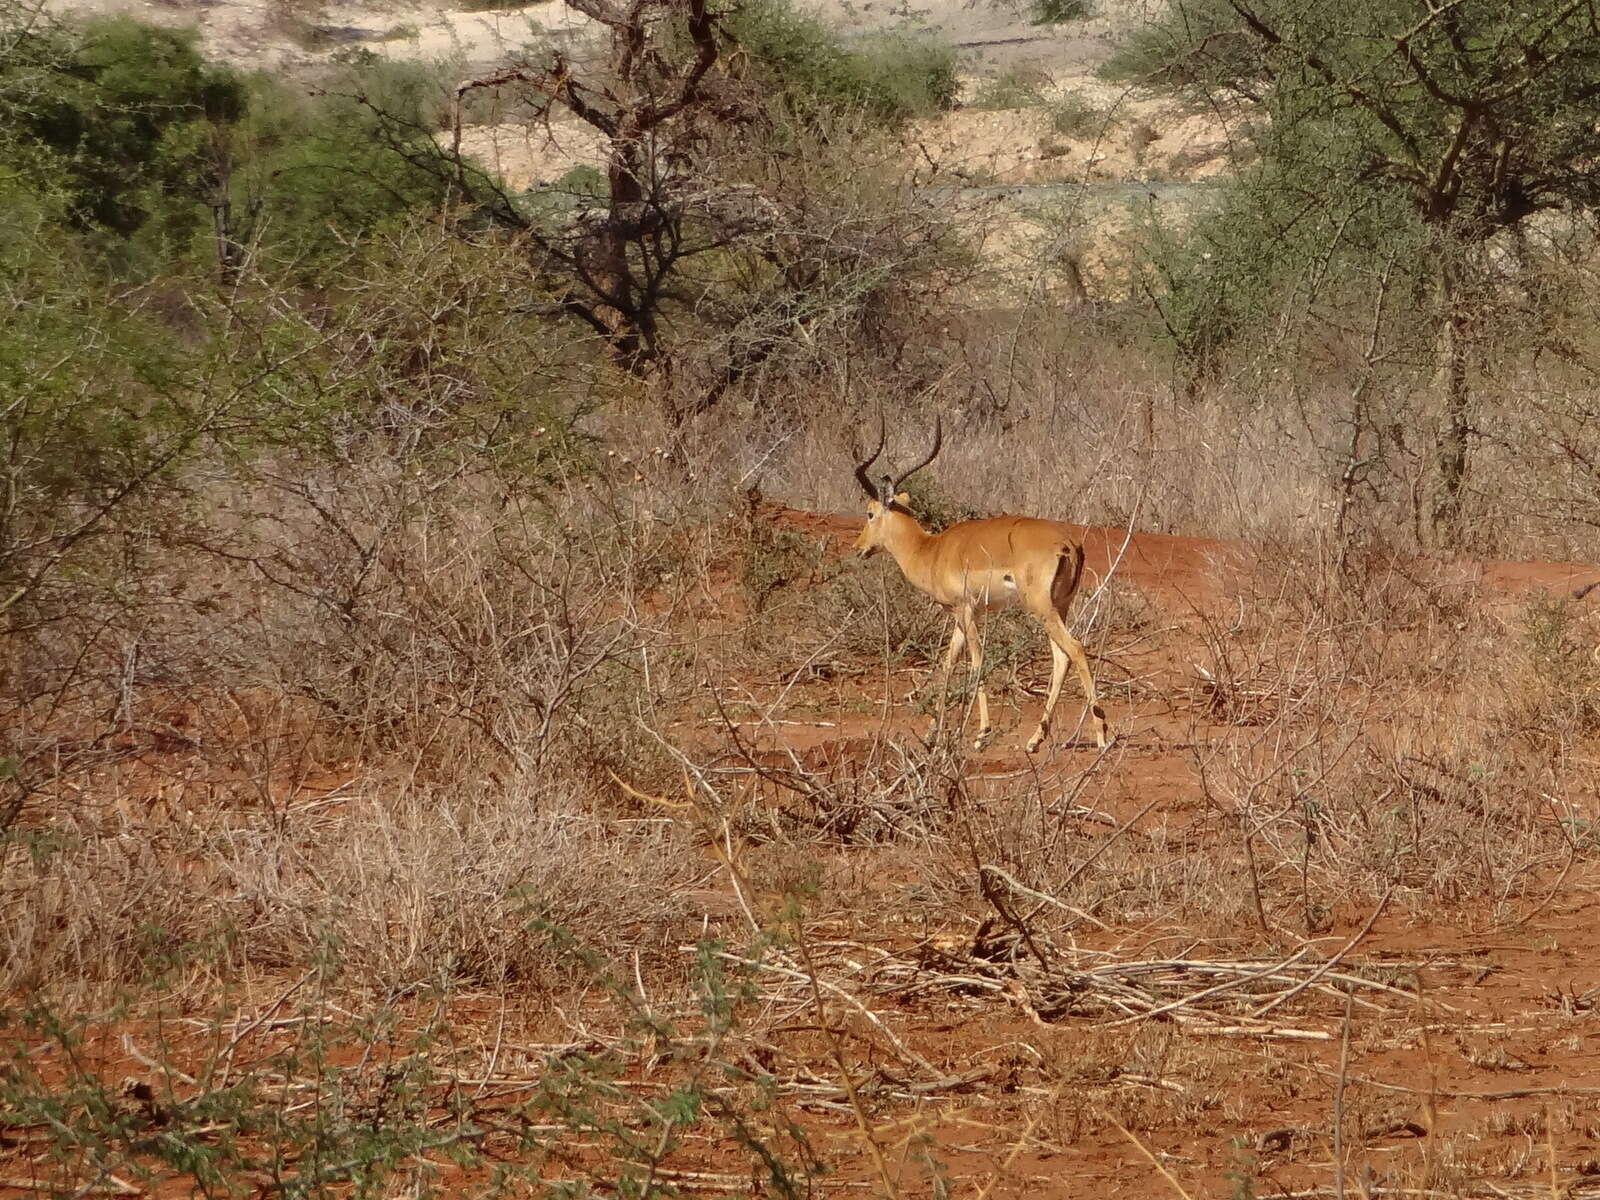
[399, 882]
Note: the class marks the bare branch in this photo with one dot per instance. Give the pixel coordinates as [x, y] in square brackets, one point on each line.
[702, 32]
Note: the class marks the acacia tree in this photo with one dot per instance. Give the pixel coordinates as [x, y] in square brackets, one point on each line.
[720, 223]
[1464, 117]
[650, 99]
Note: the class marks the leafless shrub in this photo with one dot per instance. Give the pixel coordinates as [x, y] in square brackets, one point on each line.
[394, 881]
[1337, 787]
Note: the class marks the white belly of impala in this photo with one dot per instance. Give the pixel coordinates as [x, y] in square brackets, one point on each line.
[999, 591]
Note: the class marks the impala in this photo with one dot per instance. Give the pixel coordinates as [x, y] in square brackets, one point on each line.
[975, 566]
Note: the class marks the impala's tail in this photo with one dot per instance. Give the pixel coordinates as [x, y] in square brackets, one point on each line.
[1585, 590]
[1069, 573]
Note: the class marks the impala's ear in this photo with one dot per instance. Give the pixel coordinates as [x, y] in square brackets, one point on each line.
[886, 491]
[903, 499]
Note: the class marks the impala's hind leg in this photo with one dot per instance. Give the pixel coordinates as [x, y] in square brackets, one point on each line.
[1058, 672]
[1064, 646]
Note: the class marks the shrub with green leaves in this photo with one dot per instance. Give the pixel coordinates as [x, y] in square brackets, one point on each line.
[161, 158]
[895, 75]
[320, 169]
[1057, 12]
[125, 119]
[99, 406]
[1012, 89]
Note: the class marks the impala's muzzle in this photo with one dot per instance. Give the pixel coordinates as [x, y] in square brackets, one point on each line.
[864, 545]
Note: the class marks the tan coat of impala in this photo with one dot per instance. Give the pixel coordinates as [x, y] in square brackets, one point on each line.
[975, 566]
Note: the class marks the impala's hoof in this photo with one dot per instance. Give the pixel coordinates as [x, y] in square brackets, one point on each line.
[1035, 742]
[983, 739]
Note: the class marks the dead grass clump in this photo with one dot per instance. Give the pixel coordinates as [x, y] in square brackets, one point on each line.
[815, 602]
[1556, 698]
[1373, 758]
[442, 887]
[458, 664]
[443, 625]
[871, 789]
[393, 885]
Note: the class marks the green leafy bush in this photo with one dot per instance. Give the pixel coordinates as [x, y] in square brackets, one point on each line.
[1072, 115]
[1056, 12]
[161, 158]
[893, 75]
[320, 169]
[101, 407]
[1194, 46]
[1012, 89]
[126, 119]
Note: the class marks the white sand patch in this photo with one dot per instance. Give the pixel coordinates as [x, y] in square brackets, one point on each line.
[523, 155]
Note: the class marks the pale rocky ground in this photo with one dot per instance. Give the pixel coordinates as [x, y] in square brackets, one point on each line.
[1132, 138]
[274, 33]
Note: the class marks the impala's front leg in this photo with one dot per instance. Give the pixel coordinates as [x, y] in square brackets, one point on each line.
[958, 639]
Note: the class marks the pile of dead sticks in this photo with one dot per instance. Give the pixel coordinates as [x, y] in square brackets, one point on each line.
[1241, 998]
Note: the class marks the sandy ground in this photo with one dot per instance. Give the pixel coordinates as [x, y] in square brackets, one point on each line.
[1132, 137]
[291, 33]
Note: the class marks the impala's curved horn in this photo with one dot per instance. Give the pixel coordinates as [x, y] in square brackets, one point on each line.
[938, 441]
[861, 467]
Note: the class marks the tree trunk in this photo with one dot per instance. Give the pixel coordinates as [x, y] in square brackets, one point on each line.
[608, 256]
[1350, 475]
[1440, 522]
[230, 254]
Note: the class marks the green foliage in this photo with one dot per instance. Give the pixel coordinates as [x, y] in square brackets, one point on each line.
[1478, 113]
[316, 171]
[582, 180]
[1255, 254]
[894, 76]
[159, 157]
[1195, 47]
[1400, 169]
[1071, 115]
[1457, 122]
[124, 118]
[212, 1125]
[492, 5]
[378, 1094]
[1056, 12]
[421, 351]
[1008, 90]
[934, 508]
[100, 407]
